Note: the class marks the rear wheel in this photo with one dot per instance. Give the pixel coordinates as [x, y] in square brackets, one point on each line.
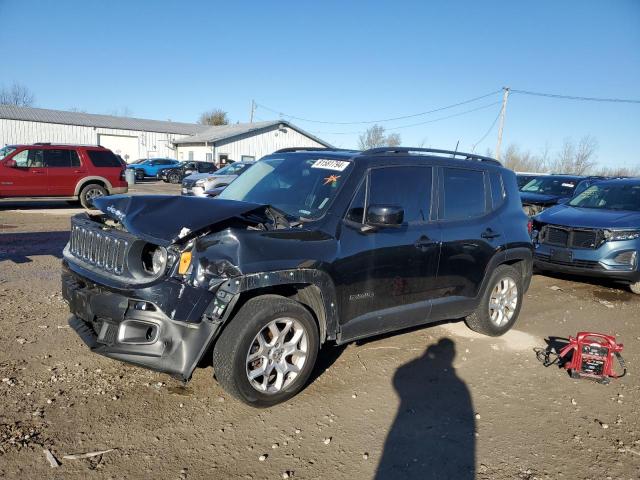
[267, 352]
[500, 304]
[635, 287]
[91, 192]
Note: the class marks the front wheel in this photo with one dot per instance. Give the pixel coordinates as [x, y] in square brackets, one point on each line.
[267, 352]
[173, 178]
[500, 305]
[139, 174]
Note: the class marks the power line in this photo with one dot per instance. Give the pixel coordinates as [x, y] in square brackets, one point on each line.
[570, 97]
[415, 124]
[383, 119]
[493, 124]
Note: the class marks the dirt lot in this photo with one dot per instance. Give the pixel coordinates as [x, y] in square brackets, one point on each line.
[438, 402]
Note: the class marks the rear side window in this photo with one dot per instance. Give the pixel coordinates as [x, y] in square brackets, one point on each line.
[498, 195]
[102, 158]
[462, 194]
[61, 158]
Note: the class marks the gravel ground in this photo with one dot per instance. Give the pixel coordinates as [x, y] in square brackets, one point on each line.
[437, 402]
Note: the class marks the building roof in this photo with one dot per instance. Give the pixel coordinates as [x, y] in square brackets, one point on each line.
[225, 132]
[102, 121]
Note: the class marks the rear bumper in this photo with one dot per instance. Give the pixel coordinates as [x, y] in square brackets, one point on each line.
[134, 327]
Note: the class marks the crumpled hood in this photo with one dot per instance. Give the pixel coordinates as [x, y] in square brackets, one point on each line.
[165, 219]
[590, 217]
[539, 198]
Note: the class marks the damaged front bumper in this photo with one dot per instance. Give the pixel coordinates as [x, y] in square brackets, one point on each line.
[166, 327]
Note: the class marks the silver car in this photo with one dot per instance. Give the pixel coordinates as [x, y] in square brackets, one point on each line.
[199, 183]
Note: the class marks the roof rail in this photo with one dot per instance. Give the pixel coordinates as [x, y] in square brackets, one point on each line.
[401, 150]
[67, 144]
[312, 149]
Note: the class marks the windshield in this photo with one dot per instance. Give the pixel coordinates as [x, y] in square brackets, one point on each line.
[300, 188]
[610, 197]
[232, 169]
[551, 186]
[4, 151]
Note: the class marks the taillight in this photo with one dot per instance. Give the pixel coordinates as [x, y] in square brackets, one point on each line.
[122, 174]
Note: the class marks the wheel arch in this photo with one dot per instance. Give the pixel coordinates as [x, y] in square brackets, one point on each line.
[83, 182]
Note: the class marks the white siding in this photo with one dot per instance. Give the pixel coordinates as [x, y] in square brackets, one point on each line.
[150, 144]
[252, 144]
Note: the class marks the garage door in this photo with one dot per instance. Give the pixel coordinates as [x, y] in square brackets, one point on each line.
[126, 147]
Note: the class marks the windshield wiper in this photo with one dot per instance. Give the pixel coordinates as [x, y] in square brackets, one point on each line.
[282, 218]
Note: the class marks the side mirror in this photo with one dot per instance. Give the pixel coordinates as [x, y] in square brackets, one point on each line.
[384, 216]
[11, 163]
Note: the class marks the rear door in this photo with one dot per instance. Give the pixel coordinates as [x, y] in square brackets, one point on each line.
[471, 235]
[28, 178]
[388, 275]
[64, 171]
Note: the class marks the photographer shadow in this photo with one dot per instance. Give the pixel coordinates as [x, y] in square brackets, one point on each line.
[433, 434]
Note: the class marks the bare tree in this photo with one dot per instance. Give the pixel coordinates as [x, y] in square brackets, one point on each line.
[375, 137]
[18, 95]
[214, 117]
[576, 158]
[121, 112]
[524, 161]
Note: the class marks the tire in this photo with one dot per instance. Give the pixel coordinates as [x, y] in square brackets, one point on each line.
[173, 178]
[497, 321]
[635, 288]
[240, 339]
[89, 192]
[139, 174]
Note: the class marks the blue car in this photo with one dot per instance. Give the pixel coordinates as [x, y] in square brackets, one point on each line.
[597, 233]
[151, 166]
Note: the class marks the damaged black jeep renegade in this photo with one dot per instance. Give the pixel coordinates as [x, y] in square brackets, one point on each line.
[306, 248]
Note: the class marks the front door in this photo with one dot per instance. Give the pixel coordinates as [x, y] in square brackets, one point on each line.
[64, 171]
[387, 276]
[28, 177]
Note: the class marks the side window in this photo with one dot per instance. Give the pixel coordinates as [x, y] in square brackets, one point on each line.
[406, 187]
[61, 158]
[462, 194]
[497, 190]
[103, 158]
[29, 158]
[356, 209]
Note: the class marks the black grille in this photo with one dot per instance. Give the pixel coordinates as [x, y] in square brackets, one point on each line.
[557, 236]
[571, 237]
[587, 264]
[98, 248]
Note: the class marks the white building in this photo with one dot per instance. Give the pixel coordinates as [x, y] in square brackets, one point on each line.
[134, 138]
[243, 141]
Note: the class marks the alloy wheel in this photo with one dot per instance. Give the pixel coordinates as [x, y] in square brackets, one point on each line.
[503, 301]
[277, 355]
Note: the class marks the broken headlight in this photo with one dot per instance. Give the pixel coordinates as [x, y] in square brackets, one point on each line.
[154, 259]
[616, 235]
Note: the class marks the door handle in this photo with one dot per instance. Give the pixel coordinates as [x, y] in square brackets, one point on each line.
[489, 234]
[39, 172]
[79, 171]
[424, 243]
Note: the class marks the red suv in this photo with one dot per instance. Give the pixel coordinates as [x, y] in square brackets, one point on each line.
[69, 172]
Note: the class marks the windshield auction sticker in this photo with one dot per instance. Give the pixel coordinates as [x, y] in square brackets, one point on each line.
[337, 165]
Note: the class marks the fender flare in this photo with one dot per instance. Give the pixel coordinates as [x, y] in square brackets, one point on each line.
[229, 292]
[85, 180]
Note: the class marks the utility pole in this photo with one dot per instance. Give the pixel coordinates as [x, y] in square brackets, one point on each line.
[503, 112]
[253, 108]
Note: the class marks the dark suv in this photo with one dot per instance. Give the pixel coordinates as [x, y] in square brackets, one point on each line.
[184, 169]
[305, 248]
[67, 172]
